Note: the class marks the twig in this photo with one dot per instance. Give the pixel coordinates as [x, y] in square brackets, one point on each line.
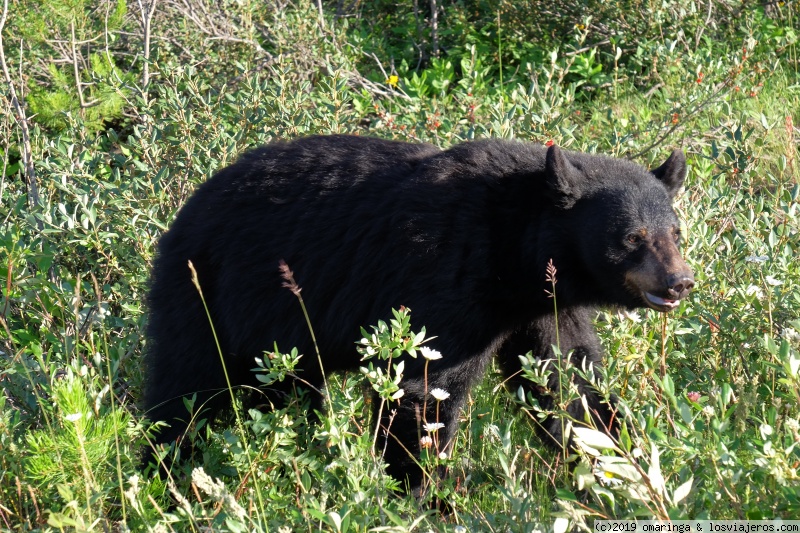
[55, 42]
[358, 80]
[374, 88]
[435, 28]
[587, 48]
[77, 72]
[22, 121]
[147, 9]
[419, 38]
[266, 62]
[377, 62]
[321, 15]
[677, 124]
[703, 27]
[9, 278]
[171, 40]
[216, 27]
[653, 89]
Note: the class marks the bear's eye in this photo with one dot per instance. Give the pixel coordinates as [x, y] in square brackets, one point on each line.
[634, 239]
[676, 234]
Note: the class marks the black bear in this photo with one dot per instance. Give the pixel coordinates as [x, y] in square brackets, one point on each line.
[462, 237]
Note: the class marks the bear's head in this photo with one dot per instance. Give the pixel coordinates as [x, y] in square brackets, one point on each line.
[625, 233]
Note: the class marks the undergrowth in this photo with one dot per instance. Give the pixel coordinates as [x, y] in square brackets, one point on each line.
[710, 392]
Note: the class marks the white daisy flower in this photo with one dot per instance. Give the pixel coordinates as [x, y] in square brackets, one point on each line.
[433, 427]
[607, 478]
[429, 354]
[440, 394]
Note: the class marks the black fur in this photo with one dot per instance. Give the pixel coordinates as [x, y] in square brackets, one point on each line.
[461, 237]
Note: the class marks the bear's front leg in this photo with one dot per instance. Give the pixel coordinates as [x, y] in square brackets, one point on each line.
[575, 336]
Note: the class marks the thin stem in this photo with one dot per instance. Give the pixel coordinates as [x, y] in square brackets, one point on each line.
[22, 121]
[434, 28]
[316, 349]
[237, 414]
[425, 394]
[378, 423]
[500, 61]
[292, 285]
[379, 414]
[196, 283]
[147, 9]
[663, 369]
[76, 70]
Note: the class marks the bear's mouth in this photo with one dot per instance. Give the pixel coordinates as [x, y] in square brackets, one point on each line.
[660, 304]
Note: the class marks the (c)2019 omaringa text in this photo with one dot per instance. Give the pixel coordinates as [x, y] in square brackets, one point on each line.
[697, 526]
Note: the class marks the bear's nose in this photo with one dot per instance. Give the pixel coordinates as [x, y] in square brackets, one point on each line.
[679, 285]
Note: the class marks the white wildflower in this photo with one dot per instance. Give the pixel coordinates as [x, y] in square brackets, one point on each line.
[773, 281]
[633, 316]
[433, 427]
[430, 354]
[442, 455]
[752, 290]
[607, 478]
[425, 442]
[440, 394]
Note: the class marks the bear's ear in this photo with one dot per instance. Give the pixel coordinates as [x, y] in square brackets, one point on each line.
[562, 178]
[672, 172]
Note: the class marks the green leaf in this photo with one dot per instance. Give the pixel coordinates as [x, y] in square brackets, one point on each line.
[619, 466]
[591, 440]
[584, 478]
[654, 472]
[682, 491]
[567, 495]
[560, 525]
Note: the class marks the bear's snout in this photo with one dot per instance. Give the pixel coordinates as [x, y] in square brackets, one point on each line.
[679, 285]
[662, 279]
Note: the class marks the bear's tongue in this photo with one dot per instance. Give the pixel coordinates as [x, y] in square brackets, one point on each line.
[661, 302]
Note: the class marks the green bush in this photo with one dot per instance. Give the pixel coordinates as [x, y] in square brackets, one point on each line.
[73, 49]
[710, 392]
